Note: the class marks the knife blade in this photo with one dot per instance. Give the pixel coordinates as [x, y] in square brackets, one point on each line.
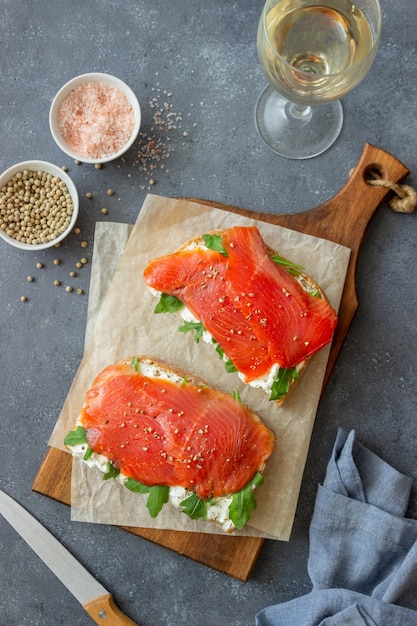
[94, 598]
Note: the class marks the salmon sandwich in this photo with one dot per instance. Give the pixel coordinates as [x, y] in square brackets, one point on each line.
[263, 314]
[168, 435]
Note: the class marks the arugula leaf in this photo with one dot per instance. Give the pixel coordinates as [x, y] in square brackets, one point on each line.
[230, 367]
[158, 495]
[220, 352]
[135, 363]
[168, 304]
[243, 502]
[292, 268]
[112, 471]
[282, 382]
[194, 507]
[136, 486]
[214, 242]
[77, 437]
[88, 453]
[197, 326]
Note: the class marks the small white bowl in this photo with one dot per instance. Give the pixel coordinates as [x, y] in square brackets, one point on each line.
[105, 79]
[49, 168]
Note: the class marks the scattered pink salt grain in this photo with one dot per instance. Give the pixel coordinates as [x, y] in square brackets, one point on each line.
[96, 120]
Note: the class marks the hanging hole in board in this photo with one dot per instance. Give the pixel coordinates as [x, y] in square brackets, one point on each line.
[372, 173]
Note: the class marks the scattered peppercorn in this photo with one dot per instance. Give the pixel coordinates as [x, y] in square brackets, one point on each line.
[84, 244]
[89, 195]
[57, 283]
[73, 274]
[68, 288]
[110, 192]
[23, 299]
[84, 261]
[30, 279]
[78, 264]
[77, 230]
[98, 166]
[39, 266]
[57, 261]
[104, 211]
[80, 291]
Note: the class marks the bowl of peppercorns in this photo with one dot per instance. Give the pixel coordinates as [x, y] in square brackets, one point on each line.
[95, 118]
[38, 205]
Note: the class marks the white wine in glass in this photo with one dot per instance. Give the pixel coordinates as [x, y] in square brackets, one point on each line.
[312, 53]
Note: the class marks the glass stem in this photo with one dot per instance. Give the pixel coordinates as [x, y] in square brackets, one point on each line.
[298, 112]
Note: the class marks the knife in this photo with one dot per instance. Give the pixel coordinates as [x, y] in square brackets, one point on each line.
[93, 597]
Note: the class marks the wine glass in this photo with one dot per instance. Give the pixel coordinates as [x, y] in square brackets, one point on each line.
[312, 52]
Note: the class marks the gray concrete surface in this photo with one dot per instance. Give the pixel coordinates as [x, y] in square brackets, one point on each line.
[204, 55]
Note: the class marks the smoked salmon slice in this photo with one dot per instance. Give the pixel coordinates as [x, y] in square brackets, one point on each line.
[173, 430]
[255, 309]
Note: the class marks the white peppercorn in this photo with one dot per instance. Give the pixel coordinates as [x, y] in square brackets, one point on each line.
[35, 207]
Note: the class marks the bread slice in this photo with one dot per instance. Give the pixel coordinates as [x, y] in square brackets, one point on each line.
[280, 380]
[165, 433]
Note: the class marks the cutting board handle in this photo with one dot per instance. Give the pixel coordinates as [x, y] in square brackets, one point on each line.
[346, 215]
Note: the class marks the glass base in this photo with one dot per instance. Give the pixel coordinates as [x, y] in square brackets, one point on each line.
[295, 131]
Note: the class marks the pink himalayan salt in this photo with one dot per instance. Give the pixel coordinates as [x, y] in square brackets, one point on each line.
[96, 120]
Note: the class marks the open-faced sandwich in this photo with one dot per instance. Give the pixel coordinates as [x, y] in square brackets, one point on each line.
[264, 316]
[168, 435]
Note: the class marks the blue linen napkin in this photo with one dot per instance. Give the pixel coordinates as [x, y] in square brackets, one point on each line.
[363, 551]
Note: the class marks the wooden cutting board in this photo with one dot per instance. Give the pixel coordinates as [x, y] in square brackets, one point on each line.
[342, 219]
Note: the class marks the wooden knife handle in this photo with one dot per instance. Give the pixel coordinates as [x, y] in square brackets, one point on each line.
[104, 611]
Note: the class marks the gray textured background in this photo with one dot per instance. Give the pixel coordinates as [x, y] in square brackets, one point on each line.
[204, 55]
